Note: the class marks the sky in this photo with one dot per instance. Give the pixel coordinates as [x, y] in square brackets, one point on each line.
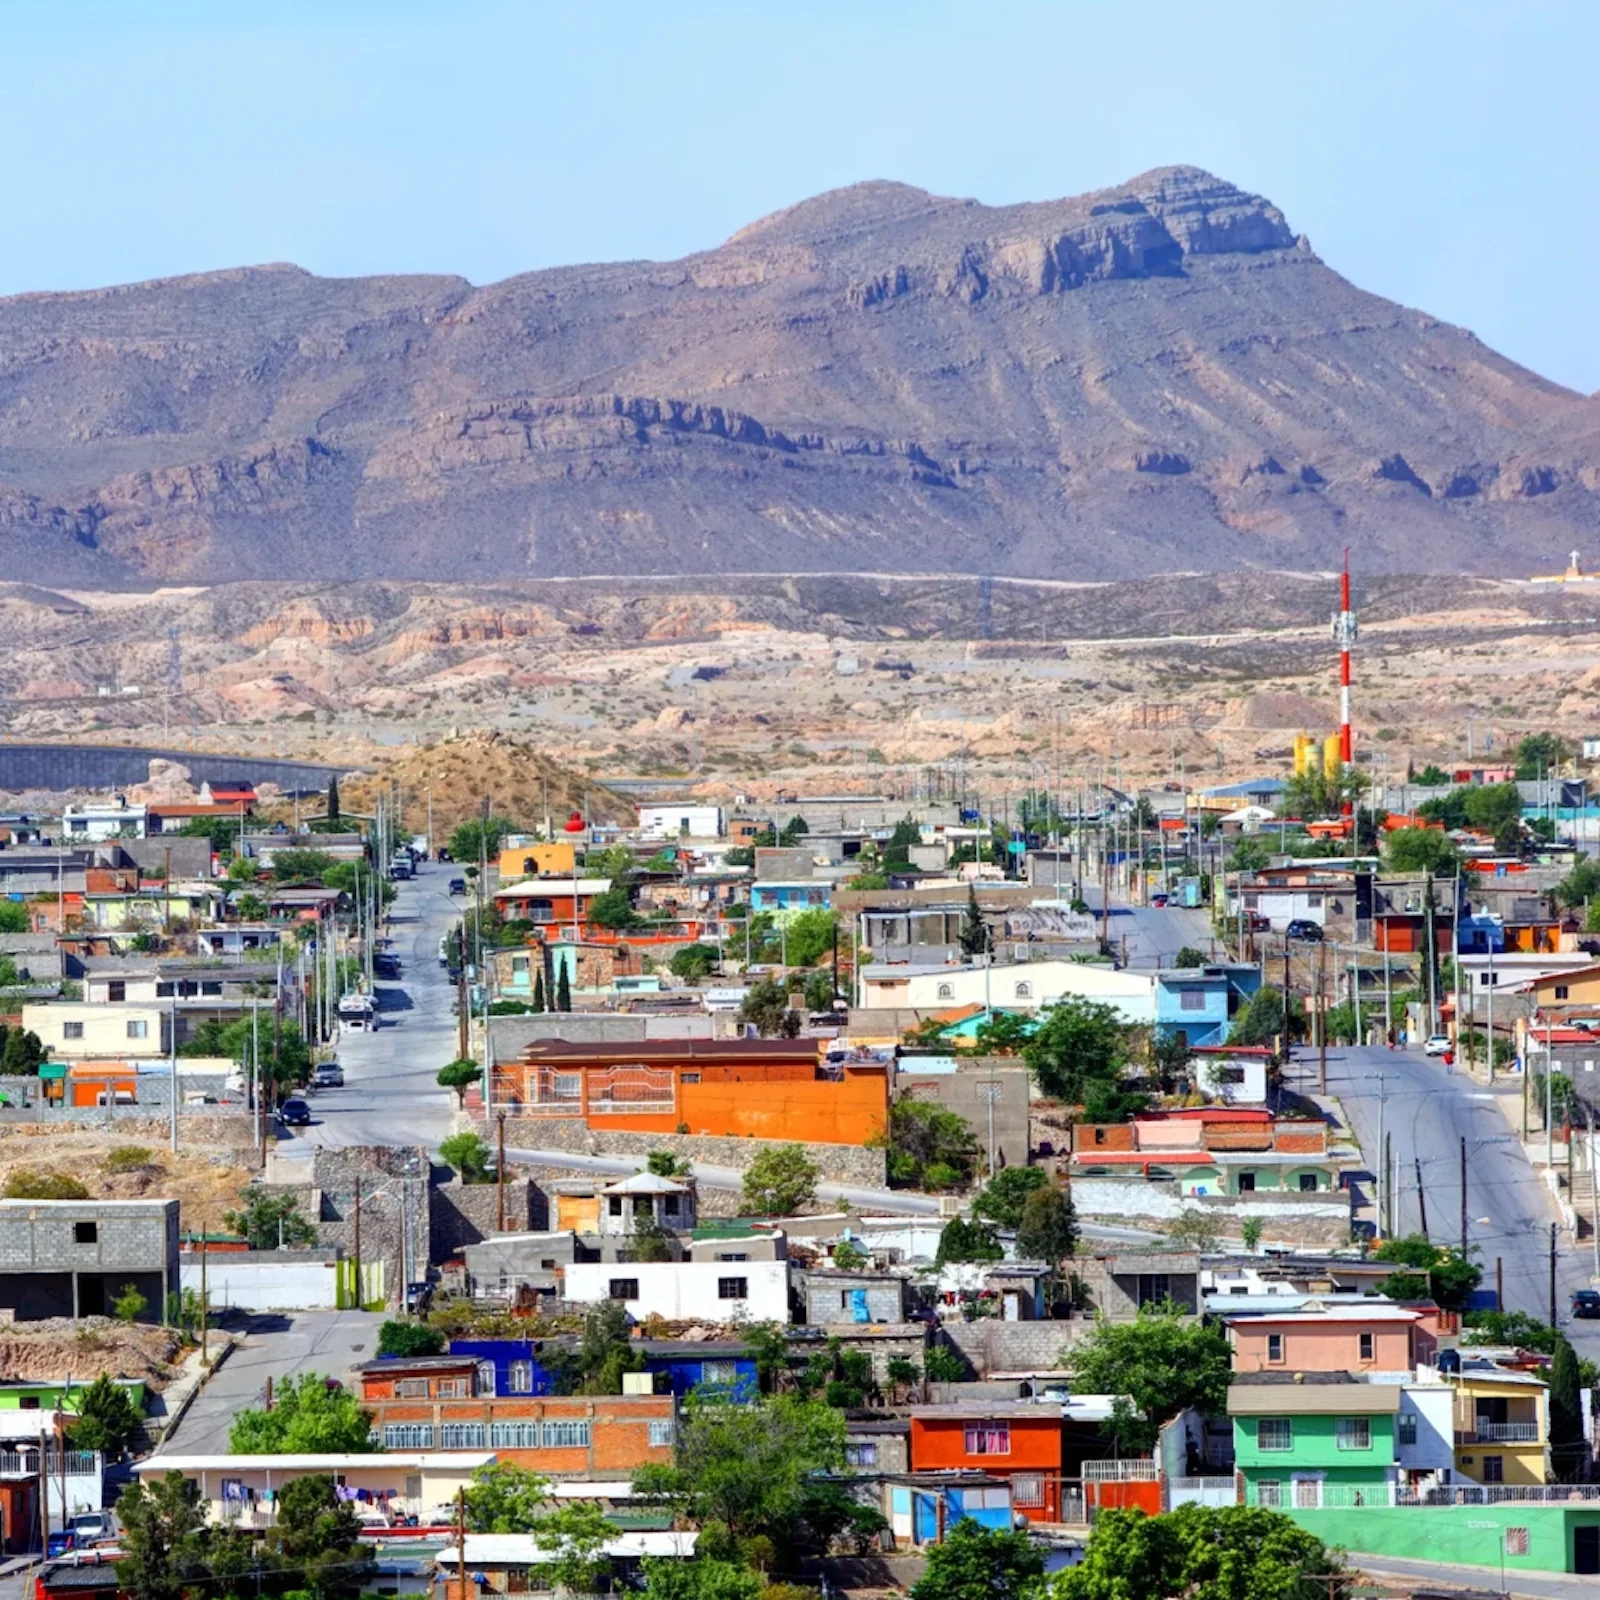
[1444, 155]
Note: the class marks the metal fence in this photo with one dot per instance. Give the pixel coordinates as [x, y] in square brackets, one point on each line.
[1138, 1470]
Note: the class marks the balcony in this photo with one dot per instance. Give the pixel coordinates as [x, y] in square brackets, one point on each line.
[1499, 1433]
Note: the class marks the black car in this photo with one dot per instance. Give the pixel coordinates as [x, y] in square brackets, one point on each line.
[1586, 1302]
[1304, 928]
[458, 886]
[294, 1112]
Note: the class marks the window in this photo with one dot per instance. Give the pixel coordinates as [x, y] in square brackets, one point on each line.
[1352, 1433]
[519, 966]
[1152, 1288]
[1247, 1183]
[733, 1288]
[1229, 1075]
[1308, 1493]
[566, 1086]
[1516, 1541]
[1405, 1428]
[1191, 999]
[486, 1377]
[408, 1436]
[990, 1441]
[1561, 991]
[164, 991]
[452, 1389]
[564, 1435]
[1269, 1492]
[691, 1077]
[1274, 1347]
[138, 1028]
[614, 1205]
[733, 1255]
[520, 1377]
[514, 1436]
[1367, 1345]
[1308, 1183]
[947, 991]
[624, 1289]
[1027, 1489]
[669, 1205]
[461, 1436]
[864, 1453]
[412, 1388]
[724, 1372]
[1494, 1469]
[1099, 1135]
[212, 989]
[116, 989]
[1024, 991]
[85, 1232]
[1274, 1433]
[663, 1433]
[71, 1030]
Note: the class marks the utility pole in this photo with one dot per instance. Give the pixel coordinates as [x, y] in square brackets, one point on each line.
[1553, 1322]
[356, 1251]
[1463, 1197]
[1388, 1184]
[1322, 1020]
[500, 1174]
[1422, 1199]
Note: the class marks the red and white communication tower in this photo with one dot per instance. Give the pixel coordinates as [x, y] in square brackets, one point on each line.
[1344, 635]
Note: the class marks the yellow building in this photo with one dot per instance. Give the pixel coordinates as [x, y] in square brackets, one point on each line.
[1502, 1423]
[534, 858]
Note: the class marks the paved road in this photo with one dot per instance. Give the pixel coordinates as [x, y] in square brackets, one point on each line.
[276, 1345]
[390, 1095]
[1485, 1579]
[1153, 937]
[1426, 1112]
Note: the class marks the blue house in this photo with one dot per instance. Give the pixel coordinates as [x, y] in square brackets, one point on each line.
[802, 895]
[1198, 1003]
[506, 1366]
[716, 1366]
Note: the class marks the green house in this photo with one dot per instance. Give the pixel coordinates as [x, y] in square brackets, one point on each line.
[59, 1394]
[1315, 1440]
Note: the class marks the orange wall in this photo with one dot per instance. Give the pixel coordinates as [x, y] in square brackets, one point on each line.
[811, 1110]
[938, 1444]
[1308, 1348]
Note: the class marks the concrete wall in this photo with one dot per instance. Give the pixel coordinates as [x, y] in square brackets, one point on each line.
[55, 767]
[993, 1346]
[1287, 1216]
[966, 1092]
[256, 1284]
[839, 1163]
[1457, 1535]
[682, 1290]
[463, 1214]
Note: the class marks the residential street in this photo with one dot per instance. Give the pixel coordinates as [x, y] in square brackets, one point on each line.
[1426, 1111]
[1154, 937]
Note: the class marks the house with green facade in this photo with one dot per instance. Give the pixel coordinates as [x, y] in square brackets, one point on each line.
[1315, 1439]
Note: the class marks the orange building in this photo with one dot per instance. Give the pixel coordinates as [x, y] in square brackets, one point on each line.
[1021, 1443]
[435, 1403]
[1331, 1338]
[735, 1088]
[102, 1083]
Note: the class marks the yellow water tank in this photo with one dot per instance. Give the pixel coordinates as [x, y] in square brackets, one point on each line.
[1331, 760]
[1305, 759]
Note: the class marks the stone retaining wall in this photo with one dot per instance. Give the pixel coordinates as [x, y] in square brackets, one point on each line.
[463, 1214]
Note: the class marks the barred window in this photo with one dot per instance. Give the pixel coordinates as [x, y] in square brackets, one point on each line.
[461, 1436]
[486, 1377]
[733, 1288]
[862, 1453]
[452, 1389]
[521, 1376]
[719, 1372]
[1406, 1428]
[1516, 1541]
[663, 1433]
[412, 1388]
[408, 1436]
[1269, 1492]
[623, 1289]
[1352, 1433]
[514, 1436]
[564, 1435]
[1027, 1489]
[1274, 1433]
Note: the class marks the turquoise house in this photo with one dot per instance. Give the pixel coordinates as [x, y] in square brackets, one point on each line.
[1328, 1441]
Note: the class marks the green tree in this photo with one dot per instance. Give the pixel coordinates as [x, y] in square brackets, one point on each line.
[1188, 957]
[470, 1157]
[574, 1535]
[1580, 885]
[897, 851]
[1080, 1045]
[746, 1468]
[506, 1499]
[1436, 1272]
[766, 1007]
[538, 991]
[1314, 794]
[943, 1365]
[271, 1222]
[808, 936]
[903, 1374]
[469, 835]
[564, 988]
[974, 1563]
[333, 802]
[928, 1146]
[1162, 1362]
[1431, 777]
[603, 1352]
[817, 990]
[613, 908]
[1262, 1020]
[667, 1164]
[315, 1543]
[165, 1540]
[974, 935]
[13, 917]
[693, 962]
[795, 828]
[107, 1419]
[130, 1305]
[459, 1075]
[668, 1578]
[24, 1053]
[968, 1241]
[1528, 1333]
[1492, 806]
[1421, 850]
[409, 1339]
[862, 880]
[1208, 1552]
[1541, 755]
[1048, 1230]
[307, 1418]
[10, 977]
[1002, 1198]
[301, 866]
[1196, 1230]
[780, 1181]
[1003, 1033]
[1568, 1451]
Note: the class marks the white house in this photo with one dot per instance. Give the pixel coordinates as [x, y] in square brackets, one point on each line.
[685, 1291]
[83, 824]
[684, 820]
[1017, 986]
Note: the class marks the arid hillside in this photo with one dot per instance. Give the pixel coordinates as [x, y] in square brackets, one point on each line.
[1161, 377]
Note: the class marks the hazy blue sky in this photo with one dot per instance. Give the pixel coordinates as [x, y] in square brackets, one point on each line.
[1442, 154]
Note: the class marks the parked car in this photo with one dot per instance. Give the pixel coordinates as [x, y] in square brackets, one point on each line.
[458, 886]
[294, 1112]
[1437, 1044]
[1304, 928]
[1586, 1302]
[1159, 901]
[1257, 922]
[328, 1075]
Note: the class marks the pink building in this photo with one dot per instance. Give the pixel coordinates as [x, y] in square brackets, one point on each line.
[1377, 1336]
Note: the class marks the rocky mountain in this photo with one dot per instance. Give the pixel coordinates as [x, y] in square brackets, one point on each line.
[1157, 377]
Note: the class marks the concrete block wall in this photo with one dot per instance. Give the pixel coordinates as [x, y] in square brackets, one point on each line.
[463, 1214]
[989, 1345]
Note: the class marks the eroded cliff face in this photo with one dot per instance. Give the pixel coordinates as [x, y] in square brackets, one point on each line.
[1161, 376]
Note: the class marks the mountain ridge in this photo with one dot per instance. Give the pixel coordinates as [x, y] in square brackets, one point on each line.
[1158, 375]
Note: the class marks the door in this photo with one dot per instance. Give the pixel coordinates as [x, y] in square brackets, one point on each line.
[1307, 1493]
[1586, 1549]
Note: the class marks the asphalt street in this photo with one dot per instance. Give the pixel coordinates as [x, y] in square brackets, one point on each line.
[1426, 1110]
[1152, 938]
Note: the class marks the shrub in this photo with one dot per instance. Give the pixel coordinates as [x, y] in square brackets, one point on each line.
[27, 1184]
[128, 1158]
[130, 1305]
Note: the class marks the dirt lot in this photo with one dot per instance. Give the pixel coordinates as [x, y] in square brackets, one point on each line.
[58, 1347]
